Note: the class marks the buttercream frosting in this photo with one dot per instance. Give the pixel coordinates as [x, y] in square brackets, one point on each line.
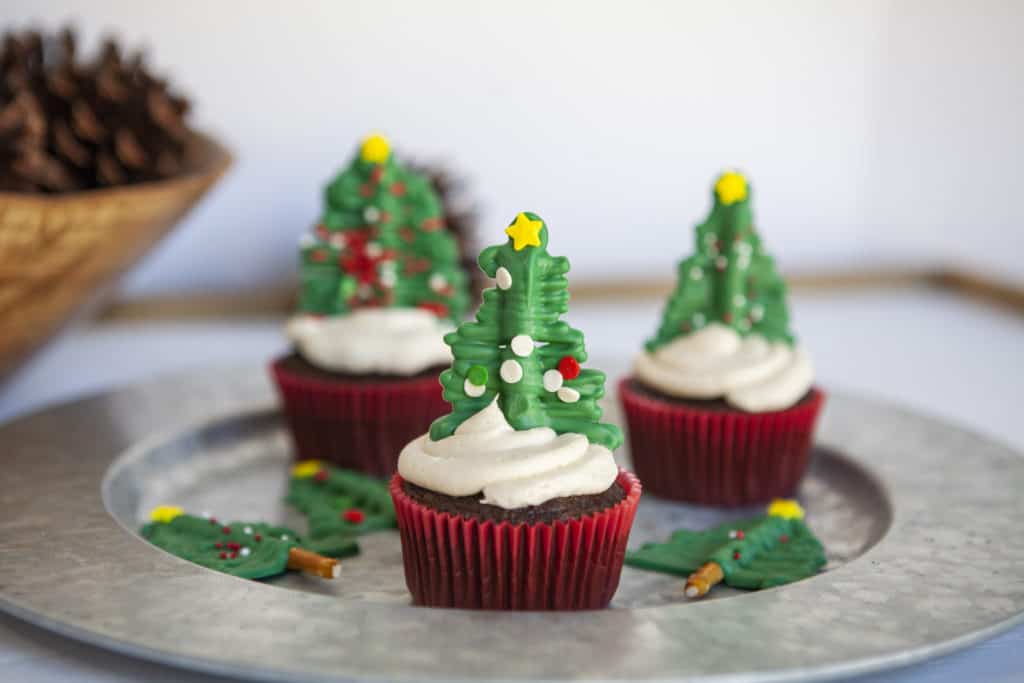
[387, 341]
[513, 469]
[750, 373]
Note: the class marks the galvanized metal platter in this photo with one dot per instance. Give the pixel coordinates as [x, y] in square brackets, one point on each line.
[920, 519]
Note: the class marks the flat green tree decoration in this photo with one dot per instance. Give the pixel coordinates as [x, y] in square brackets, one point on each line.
[520, 351]
[729, 279]
[770, 550]
[249, 550]
[381, 242]
[339, 504]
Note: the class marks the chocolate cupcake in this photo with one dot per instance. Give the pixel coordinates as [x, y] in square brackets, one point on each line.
[380, 286]
[513, 500]
[721, 406]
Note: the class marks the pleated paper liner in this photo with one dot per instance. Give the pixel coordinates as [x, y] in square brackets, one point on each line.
[357, 425]
[453, 561]
[725, 458]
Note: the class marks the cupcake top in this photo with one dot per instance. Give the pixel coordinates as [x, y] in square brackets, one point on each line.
[525, 425]
[725, 329]
[380, 279]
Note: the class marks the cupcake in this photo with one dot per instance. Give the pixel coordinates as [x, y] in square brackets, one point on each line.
[513, 500]
[380, 286]
[721, 404]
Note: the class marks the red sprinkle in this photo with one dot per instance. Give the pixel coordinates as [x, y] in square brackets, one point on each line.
[736, 555]
[226, 529]
[569, 367]
[234, 555]
[234, 546]
[218, 545]
[740, 534]
[213, 520]
[727, 316]
[321, 476]
[354, 515]
[783, 538]
[223, 556]
[257, 537]
[365, 190]
[398, 189]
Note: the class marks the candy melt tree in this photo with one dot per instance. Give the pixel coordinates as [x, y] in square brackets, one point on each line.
[729, 279]
[519, 350]
[381, 242]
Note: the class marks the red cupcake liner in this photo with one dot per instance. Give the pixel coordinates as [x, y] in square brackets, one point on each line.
[453, 561]
[718, 458]
[357, 425]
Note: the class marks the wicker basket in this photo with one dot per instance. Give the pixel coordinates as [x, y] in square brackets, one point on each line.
[59, 253]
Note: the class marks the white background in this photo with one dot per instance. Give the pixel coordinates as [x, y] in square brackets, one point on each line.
[875, 132]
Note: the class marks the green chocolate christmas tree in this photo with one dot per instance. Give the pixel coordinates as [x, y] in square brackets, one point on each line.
[729, 279]
[519, 350]
[381, 242]
[249, 550]
[337, 503]
[771, 550]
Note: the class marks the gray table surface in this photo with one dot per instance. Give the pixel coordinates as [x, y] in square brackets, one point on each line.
[933, 352]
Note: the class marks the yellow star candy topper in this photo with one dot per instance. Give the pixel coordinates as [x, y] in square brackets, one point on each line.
[785, 508]
[524, 232]
[731, 187]
[306, 469]
[165, 513]
[375, 149]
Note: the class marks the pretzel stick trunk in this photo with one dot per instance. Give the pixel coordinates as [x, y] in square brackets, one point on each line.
[701, 581]
[311, 563]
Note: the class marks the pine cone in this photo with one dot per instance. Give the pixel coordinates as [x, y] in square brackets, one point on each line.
[68, 124]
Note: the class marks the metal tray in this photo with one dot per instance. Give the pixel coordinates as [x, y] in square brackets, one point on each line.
[919, 519]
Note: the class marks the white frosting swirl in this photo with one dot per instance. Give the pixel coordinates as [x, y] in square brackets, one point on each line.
[387, 341]
[750, 373]
[512, 468]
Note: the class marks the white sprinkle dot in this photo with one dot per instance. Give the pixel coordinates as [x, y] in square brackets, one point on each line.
[438, 282]
[522, 345]
[710, 238]
[371, 214]
[757, 312]
[511, 371]
[472, 390]
[374, 250]
[337, 240]
[696, 273]
[739, 300]
[553, 380]
[568, 395]
[388, 278]
[284, 537]
[206, 514]
[247, 530]
[721, 262]
[732, 534]
[244, 552]
[503, 278]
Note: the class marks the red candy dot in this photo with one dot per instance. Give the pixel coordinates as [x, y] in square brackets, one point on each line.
[218, 545]
[375, 174]
[223, 556]
[365, 190]
[234, 546]
[257, 537]
[233, 555]
[398, 189]
[727, 317]
[320, 476]
[736, 555]
[226, 529]
[740, 534]
[213, 520]
[783, 538]
[569, 367]
[354, 515]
